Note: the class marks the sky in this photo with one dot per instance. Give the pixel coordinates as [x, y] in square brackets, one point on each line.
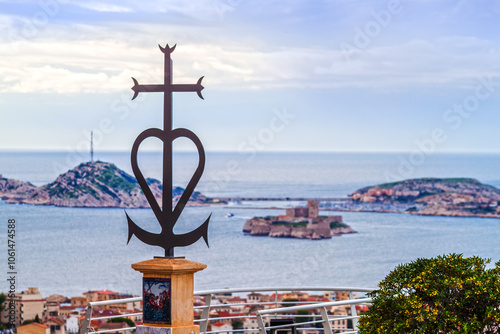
[295, 75]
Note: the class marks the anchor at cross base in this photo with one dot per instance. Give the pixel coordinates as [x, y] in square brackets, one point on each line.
[167, 215]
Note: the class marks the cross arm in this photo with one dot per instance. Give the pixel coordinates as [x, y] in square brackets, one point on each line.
[168, 88]
[189, 88]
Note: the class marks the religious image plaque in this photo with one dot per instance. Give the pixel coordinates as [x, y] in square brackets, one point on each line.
[156, 292]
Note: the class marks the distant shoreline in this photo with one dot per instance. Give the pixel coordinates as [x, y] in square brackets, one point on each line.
[361, 211]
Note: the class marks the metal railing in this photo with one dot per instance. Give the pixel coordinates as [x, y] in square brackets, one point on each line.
[87, 322]
[266, 308]
[326, 318]
[273, 307]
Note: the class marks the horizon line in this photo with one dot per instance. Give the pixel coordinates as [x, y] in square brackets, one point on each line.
[27, 150]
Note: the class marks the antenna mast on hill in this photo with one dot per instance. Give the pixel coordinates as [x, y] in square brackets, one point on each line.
[91, 146]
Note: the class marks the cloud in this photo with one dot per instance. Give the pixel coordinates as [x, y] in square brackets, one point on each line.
[106, 66]
[67, 57]
[454, 61]
[102, 7]
[199, 9]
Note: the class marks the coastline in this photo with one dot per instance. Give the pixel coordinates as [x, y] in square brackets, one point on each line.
[456, 215]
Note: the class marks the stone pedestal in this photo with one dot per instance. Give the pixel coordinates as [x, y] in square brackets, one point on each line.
[180, 275]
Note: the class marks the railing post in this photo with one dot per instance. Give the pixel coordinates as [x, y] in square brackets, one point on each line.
[354, 314]
[260, 323]
[276, 303]
[205, 314]
[86, 321]
[327, 327]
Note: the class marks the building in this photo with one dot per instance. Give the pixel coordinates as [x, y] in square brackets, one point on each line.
[115, 327]
[33, 328]
[237, 304]
[65, 311]
[100, 295]
[342, 295]
[56, 325]
[27, 305]
[250, 326]
[71, 325]
[340, 312]
[295, 295]
[255, 297]
[137, 317]
[52, 309]
[103, 295]
[311, 211]
[78, 301]
[222, 328]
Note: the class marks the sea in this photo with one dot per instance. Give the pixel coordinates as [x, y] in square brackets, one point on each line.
[69, 251]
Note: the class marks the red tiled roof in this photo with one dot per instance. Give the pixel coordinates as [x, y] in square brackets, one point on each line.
[363, 308]
[34, 324]
[60, 322]
[105, 292]
[224, 314]
[69, 308]
[218, 324]
[114, 325]
[104, 313]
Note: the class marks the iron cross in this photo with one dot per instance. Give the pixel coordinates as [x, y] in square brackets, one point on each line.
[167, 215]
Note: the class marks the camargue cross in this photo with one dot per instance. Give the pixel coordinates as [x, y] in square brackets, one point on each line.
[167, 215]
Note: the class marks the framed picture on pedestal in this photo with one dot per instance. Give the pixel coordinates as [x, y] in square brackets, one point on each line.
[156, 300]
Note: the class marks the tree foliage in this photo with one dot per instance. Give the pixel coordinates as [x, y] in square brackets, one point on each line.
[3, 298]
[447, 294]
[301, 317]
[237, 324]
[129, 321]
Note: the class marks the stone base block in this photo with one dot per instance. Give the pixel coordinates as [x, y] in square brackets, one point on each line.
[159, 329]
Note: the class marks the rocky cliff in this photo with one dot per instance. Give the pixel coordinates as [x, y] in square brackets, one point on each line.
[463, 197]
[91, 184]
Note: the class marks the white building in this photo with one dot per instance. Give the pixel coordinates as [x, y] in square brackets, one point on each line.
[223, 327]
[72, 324]
[249, 324]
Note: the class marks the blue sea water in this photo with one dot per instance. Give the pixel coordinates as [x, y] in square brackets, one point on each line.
[71, 250]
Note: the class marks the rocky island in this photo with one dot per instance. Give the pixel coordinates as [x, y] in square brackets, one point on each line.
[299, 222]
[92, 185]
[458, 197]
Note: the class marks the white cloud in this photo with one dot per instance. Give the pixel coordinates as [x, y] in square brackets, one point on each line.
[102, 7]
[87, 57]
[199, 9]
[106, 66]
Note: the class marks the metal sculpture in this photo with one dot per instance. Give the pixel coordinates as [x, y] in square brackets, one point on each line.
[167, 215]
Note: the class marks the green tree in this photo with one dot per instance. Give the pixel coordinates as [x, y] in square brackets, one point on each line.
[129, 322]
[36, 319]
[447, 294]
[302, 313]
[237, 324]
[3, 298]
[289, 302]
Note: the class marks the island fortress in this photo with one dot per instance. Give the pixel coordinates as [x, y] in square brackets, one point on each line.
[299, 222]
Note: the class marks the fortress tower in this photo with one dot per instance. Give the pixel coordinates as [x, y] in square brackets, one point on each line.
[313, 207]
[311, 211]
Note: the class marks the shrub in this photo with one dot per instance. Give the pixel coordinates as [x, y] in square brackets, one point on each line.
[447, 294]
[129, 321]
